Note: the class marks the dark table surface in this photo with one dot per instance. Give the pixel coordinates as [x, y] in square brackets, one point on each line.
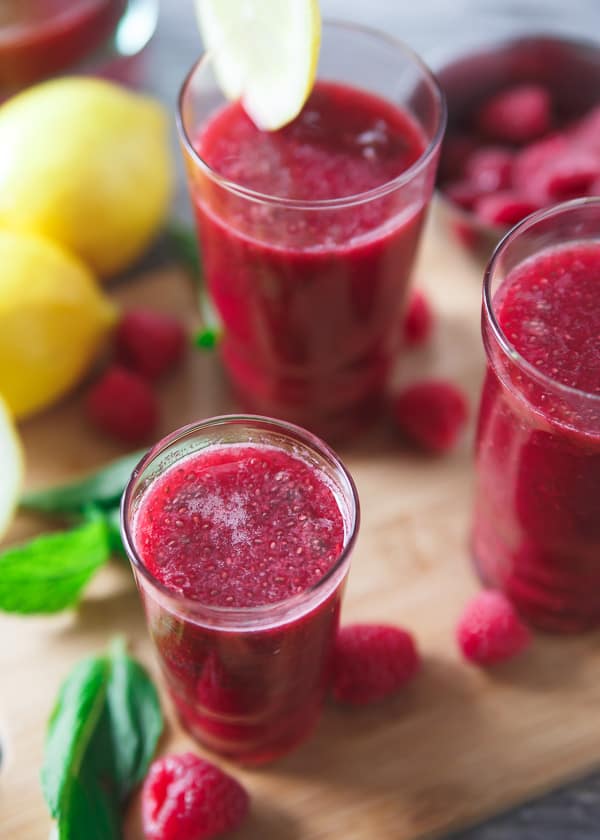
[432, 27]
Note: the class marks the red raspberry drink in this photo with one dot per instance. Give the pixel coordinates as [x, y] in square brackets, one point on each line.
[308, 234]
[239, 530]
[536, 530]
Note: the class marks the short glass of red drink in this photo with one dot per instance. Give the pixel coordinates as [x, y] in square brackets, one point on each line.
[309, 233]
[536, 530]
[239, 530]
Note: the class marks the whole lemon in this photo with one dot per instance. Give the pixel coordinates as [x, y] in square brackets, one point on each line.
[86, 163]
[53, 319]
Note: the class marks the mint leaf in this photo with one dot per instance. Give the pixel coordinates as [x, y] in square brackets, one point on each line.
[103, 488]
[136, 719]
[101, 738]
[93, 808]
[48, 573]
[72, 723]
[91, 812]
[207, 338]
[211, 334]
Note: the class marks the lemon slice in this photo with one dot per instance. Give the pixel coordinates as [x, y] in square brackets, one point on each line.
[11, 458]
[265, 53]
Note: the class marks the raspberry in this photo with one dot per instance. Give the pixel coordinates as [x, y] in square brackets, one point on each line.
[418, 321]
[490, 629]
[467, 234]
[462, 193]
[432, 414]
[586, 131]
[504, 208]
[122, 405]
[572, 175]
[516, 115]
[372, 661]
[533, 163]
[187, 798]
[149, 343]
[490, 168]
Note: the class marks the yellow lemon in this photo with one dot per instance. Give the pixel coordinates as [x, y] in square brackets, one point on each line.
[265, 53]
[88, 164]
[53, 319]
[11, 458]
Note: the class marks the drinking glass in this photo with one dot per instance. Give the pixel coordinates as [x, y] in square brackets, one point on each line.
[248, 683]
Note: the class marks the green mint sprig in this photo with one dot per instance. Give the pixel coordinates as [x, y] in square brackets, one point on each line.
[49, 573]
[102, 735]
[102, 489]
[183, 243]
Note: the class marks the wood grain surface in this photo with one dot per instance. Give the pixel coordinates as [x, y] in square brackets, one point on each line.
[456, 745]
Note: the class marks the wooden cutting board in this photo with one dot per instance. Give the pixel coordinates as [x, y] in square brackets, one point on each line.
[457, 745]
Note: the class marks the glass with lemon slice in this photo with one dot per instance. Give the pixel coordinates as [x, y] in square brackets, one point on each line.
[311, 155]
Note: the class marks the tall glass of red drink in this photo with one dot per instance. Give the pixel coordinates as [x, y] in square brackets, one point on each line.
[239, 530]
[536, 531]
[308, 234]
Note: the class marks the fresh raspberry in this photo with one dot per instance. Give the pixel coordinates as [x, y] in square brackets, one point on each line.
[187, 798]
[504, 208]
[123, 405]
[467, 234]
[432, 414]
[585, 133]
[518, 114]
[149, 342]
[532, 164]
[418, 321]
[572, 175]
[372, 661]
[490, 629]
[462, 193]
[490, 168]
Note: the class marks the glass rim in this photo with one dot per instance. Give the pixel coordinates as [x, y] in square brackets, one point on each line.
[257, 612]
[488, 303]
[325, 203]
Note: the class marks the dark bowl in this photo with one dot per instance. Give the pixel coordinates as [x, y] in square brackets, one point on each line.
[569, 69]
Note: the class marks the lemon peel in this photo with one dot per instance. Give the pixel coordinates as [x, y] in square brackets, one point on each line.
[264, 53]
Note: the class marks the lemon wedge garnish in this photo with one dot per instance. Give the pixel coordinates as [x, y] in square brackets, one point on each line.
[265, 52]
[11, 458]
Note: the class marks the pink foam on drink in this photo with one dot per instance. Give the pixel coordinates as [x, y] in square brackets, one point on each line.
[240, 526]
[344, 142]
[550, 312]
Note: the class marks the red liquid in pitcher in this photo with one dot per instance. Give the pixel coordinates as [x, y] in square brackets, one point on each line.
[39, 38]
